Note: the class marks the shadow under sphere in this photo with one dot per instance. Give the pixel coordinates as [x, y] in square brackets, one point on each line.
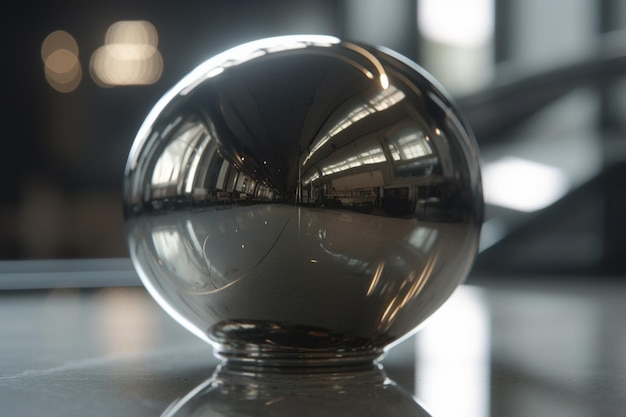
[303, 200]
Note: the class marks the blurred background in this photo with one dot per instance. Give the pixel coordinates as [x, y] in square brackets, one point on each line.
[542, 83]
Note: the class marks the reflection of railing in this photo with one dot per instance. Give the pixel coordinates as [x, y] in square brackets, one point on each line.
[200, 200]
[223, 199]
[398, 201]
[360, 199]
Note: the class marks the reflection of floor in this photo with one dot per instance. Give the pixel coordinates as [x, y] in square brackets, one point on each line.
[267, 261]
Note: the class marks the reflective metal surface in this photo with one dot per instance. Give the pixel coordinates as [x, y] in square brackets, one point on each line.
[238, 393]
[302, 199]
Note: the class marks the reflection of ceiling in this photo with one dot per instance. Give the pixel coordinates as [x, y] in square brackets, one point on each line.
[291, 119]
[363, 108]
[275, 109]
[354, 125]
[407, 151]
[366, 157]
[282, 111]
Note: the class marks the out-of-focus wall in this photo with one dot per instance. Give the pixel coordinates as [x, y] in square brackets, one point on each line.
[66, 133]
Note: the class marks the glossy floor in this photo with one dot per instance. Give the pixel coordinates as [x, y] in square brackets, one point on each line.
[520, 349]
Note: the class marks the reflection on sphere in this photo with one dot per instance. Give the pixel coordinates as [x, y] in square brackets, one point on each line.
[302, 198]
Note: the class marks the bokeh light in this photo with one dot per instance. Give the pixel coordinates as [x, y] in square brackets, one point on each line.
[129, 55]
[59, 52]
[138, 32]
[523, 185]
[58, 40]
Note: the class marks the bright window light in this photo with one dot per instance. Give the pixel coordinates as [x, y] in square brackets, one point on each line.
[522, 185]
[463, 23]
[176, 155]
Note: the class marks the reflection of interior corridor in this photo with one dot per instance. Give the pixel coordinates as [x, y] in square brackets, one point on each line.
[361, 265]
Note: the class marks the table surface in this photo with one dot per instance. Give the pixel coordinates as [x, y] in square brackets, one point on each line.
[514, 348]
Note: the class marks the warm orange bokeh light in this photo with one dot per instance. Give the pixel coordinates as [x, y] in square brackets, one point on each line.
[58, 39]
[59, 52]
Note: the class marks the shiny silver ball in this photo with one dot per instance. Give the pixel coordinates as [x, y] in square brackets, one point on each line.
[302, 200]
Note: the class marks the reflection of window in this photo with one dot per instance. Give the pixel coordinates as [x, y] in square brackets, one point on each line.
[183, 262]
[423, 238]
[199, 149]
[410, 146]
[165, 242]
[373, 156]
[167, 167]
[177, 154]
[387, 98]
[221, 177]
[312, 178]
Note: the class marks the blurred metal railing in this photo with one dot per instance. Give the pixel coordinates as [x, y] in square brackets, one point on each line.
[513, 98]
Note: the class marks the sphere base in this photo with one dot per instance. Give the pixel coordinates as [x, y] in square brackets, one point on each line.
[273, 344]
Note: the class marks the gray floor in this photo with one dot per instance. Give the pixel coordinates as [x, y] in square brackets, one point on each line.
[515, 350]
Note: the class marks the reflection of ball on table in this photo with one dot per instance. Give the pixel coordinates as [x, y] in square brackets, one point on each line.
[341, 201]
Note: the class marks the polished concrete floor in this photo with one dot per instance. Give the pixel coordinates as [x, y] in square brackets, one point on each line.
[514, 349]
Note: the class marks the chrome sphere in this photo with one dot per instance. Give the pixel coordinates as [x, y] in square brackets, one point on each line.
[303, 200]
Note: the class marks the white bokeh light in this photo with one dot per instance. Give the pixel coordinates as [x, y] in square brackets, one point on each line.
[522, 185]
[129, 55]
